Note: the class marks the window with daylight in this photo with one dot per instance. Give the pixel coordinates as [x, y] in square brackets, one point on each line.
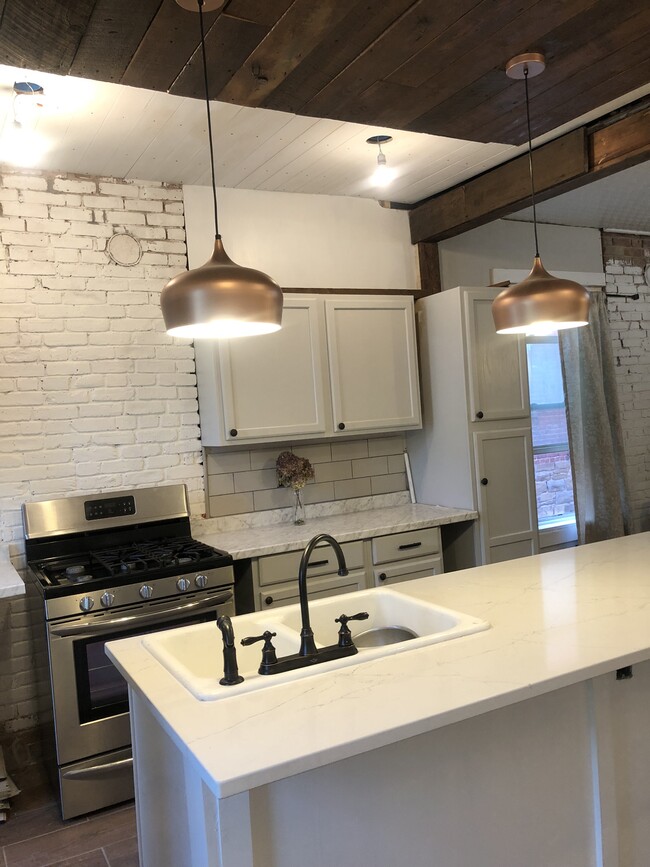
[553, 480]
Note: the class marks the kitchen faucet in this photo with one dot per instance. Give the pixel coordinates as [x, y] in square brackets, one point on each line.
[307, 645]
[309, 654]
[231, 675]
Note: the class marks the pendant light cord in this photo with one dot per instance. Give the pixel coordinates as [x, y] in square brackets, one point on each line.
[530, 163]
[207, 106]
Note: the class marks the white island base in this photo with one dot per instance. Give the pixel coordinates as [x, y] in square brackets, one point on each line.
[513, 747]
[534, 784]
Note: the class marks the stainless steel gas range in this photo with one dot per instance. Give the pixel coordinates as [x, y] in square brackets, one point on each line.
[100, 567]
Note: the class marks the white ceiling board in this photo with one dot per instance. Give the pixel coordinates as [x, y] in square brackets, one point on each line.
[621, 201]
[99, 128]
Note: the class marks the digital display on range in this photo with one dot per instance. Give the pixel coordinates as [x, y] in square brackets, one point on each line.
[115, 507]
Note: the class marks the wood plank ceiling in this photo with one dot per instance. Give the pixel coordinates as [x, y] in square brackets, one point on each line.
[432, 66]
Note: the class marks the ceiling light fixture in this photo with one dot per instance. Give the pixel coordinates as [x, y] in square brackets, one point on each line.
[383, 174]
[541, 303]
[221, 298]
[27, 100]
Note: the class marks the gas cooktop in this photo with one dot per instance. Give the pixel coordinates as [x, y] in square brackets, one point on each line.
[152, 559]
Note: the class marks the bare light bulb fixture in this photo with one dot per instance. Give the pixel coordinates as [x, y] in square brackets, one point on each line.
[383, 174]
[219, 299]
[28, 98]
[541, 303]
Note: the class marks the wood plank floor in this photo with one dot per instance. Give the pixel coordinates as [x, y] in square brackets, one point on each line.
[39, 838]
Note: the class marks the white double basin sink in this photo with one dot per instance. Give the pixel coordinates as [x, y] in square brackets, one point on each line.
[194, 654]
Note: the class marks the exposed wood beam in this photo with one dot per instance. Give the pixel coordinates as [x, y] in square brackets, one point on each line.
[429, 263]
[571, 161]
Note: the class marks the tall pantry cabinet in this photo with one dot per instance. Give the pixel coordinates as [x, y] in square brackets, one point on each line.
[475, 448]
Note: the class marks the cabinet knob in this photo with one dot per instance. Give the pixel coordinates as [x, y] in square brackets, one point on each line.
[479, 414]
[233, 431]
[341, 426]
[382, 576]
[484, 481]
[268, 600]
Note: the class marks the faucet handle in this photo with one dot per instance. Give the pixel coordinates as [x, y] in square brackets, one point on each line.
[269, 656]
[345, 636]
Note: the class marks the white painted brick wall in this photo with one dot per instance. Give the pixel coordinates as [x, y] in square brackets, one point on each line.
[625, 258]
[94, 396]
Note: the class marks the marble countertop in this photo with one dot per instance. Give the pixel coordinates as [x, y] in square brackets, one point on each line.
[11, 584]
[557, 619]
[276, 538]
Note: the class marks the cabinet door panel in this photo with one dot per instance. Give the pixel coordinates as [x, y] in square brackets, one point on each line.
[498, 378]
[287, 594]
[273, 385]
[372, 360]
[506, 486]
[408, 571]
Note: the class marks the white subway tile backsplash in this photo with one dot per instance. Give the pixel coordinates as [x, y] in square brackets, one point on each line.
[333, 471]
[335, 478]
[370, 467]
[349, 449]
[386, 446]
[388, 484]
[231, 504]
[256, 480]
[348, 488]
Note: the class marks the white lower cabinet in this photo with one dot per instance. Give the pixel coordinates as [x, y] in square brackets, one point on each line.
[622, 709]
[506, 493]
[277, 575]
[405, 556]
[374, 562]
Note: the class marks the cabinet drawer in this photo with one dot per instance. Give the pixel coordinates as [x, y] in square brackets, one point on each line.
[284, 567]
[400, 546]
[318, 588]
[419, 568]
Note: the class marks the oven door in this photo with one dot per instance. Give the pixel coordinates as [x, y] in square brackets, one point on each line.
[89, 694]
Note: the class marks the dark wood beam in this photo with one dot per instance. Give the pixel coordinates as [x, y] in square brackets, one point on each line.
[571, 161]
[429, 262]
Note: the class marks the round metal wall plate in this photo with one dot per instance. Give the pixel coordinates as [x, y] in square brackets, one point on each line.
[533, 61]
[124, 249]
[193, 6]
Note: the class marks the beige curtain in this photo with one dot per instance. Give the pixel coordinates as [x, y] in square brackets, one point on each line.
[595, 434]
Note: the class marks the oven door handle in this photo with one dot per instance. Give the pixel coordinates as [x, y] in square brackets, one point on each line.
[102, 625]
[96, 772]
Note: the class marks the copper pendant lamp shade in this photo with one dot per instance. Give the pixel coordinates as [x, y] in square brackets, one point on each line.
[221, 298]
[541, 303]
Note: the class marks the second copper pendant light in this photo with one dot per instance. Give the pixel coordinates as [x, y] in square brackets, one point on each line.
[541, 303]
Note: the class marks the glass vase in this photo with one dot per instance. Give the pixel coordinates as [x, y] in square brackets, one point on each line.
[298, 507]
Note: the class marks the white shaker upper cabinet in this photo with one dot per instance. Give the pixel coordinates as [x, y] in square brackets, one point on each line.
[498, 385]
[271, 386]
[372, 363]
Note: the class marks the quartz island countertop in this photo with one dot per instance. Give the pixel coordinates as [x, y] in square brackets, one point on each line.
[557, 619]
[277, 538]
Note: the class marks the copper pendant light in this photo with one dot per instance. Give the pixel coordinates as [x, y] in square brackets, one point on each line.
[541, 303]
[221, 298]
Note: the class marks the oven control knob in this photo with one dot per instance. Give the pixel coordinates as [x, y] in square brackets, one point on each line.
[201, 581]
[146, 591]
[86, 603]
[107, 598]
[183, 584]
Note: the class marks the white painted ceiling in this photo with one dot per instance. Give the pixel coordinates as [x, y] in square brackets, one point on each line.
[107, 129]
[621, 201]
